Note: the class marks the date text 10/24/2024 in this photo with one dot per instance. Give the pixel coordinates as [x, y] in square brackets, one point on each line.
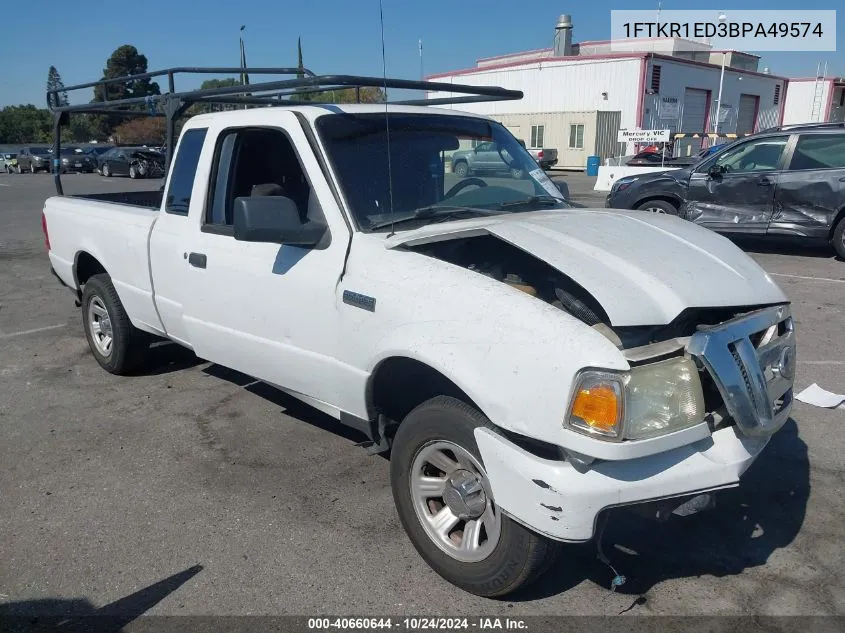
[419, 623]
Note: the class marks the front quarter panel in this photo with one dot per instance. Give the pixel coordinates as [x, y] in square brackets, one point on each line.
[514, 355]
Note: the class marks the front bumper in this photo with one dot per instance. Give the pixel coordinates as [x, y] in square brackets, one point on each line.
[751, 360]
[554, 499]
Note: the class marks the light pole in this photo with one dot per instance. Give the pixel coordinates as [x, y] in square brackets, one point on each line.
[722, 18]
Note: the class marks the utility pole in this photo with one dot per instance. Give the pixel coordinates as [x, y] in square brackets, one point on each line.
[421, 61]
[722, 18]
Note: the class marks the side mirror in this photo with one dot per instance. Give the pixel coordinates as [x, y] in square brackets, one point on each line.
[715, 171]
[274, 219]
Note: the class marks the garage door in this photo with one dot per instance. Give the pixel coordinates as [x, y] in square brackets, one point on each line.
[747, 113]
[694, 111]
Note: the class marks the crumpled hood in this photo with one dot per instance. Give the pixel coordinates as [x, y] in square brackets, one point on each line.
[643, 268]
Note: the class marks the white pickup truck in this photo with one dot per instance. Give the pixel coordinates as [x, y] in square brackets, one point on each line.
[528, 365]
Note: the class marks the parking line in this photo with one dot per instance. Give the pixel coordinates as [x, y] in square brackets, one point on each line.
[836, 281]
[3, 184]
[822, 362]
[33, 331]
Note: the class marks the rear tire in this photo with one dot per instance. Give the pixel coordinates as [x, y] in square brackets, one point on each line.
[517, 174]
[133, 172]
[839, 238]
[504, 561]
[461, 169]
[117, 345]
[658, 206]
[106, 171]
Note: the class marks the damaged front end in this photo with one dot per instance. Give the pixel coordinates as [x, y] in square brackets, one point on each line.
[708, 369]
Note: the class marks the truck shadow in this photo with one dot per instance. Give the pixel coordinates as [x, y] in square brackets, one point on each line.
[292, 407]
[78, 615]
[748, 524]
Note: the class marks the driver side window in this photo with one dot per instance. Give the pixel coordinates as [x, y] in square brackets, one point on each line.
[754, 156]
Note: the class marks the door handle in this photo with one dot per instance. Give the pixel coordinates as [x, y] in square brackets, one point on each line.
[197, 260]
[764, 182]
[842, 179]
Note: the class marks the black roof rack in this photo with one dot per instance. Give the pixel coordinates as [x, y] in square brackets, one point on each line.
[173, 104]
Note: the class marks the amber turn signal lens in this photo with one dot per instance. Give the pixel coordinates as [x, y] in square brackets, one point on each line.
[597, 407]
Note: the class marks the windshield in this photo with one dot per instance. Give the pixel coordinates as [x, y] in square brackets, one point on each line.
[443, 167]
[39, 151]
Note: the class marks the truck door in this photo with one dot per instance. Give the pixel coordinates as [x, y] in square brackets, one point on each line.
[735, 191]
[266, 309]
[172, 231]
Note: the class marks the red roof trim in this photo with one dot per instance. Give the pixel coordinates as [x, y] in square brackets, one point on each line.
[587, 58]
[528, 62]
[508, 55]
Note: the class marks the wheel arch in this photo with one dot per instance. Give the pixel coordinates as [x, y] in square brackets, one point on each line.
[85, 266]
[665, 197]
[836, 219]
[398, 384]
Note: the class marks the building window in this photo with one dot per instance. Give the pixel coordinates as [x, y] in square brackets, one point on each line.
[655, 79]
[576, 136]
[537, 133]
[777, 94]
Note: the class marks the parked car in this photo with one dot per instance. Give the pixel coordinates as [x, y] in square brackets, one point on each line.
[74, 159]
[488, 157]
[131, 161]
[9, 163]
[525, 367]
[784, 181]
[34, 159]
[95, 151]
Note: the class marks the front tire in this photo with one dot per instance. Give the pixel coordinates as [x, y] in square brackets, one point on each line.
[517, 174]
[658, 206]
[133, 172]
[445, 503]
[117, 345]
[106, 171]
[839, 238]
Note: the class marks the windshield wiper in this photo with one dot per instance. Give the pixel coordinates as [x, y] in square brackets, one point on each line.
[533, 201]
[437, 211]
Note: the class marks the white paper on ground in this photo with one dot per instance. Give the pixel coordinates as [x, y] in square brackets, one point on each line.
[819, 397]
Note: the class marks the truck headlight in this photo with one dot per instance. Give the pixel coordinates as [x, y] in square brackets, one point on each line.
[649, 400]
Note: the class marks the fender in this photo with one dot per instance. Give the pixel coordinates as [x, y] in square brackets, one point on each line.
[494, 361]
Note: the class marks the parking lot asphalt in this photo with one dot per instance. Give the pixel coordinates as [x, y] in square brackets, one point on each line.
[191, 489]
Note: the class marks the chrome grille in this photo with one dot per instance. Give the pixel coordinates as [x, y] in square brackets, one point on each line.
[752, 361]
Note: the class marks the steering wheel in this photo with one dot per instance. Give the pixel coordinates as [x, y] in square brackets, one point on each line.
[464, 183]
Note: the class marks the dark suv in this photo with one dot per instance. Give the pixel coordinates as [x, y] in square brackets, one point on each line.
[788, 180]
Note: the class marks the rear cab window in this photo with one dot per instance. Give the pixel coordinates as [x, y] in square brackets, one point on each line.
[183, 171]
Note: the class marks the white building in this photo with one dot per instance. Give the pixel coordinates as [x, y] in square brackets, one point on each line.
[815, 99]
[577, 96]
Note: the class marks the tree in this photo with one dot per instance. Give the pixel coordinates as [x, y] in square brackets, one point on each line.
[54, 82]
[25, 124]
[147, 129]
[202, 108]
[123, 62]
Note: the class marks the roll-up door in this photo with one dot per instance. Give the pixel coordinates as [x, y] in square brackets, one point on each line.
[694, 110]
[747, 114]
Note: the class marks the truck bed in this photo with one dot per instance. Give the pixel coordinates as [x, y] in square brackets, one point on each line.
[146, 199]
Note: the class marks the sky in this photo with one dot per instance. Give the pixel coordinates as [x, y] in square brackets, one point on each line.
[338, 36]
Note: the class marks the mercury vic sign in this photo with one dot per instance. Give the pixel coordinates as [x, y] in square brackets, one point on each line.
[643, 136]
